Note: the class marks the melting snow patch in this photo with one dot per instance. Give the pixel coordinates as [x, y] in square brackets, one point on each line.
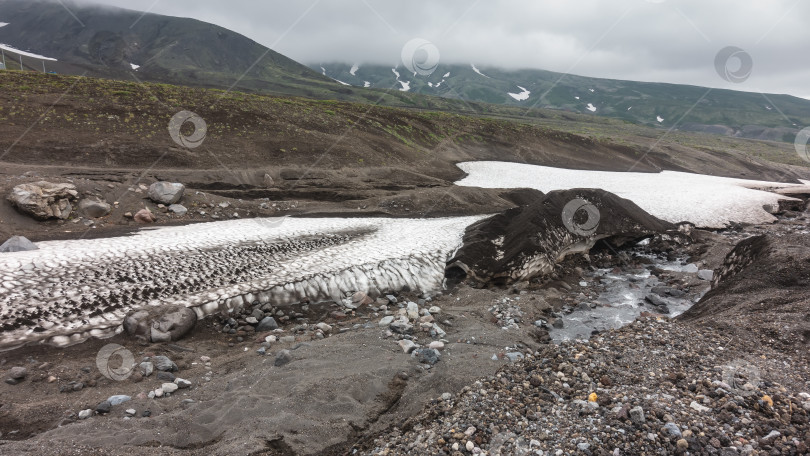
[323, 70]
[591, 107]
[366, 84]
[577, 98]
[396, 73]
[768, 108]
[134, 67]
[592, 91]
[630, 108]
[3, 24]
[706, 201]
[406, 86]
[354, 69]
[477, 71]
[659, 119]
[446, 75]
[522, 96]
[344, 83]
[6, 47]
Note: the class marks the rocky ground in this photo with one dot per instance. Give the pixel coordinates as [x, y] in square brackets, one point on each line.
[328, 379]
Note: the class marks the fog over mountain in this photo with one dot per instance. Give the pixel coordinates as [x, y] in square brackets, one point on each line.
[647, 40]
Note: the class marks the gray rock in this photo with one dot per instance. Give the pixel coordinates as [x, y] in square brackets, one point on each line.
[164, 364]
[178, 209]
[44, 200]
[672, 430]
[85, 414]
[407, 345]
[387, 320]
[182, 383]
[251, 321]
[427, 355]
[391, 299]
[637, 415]
[131, 412]
[267, 324]
[103, 407]
[413, 311]
[146, 368]
[655, 300]
[705, 274]
[118, 399]
[18, 373]
[94, 209]
[166, 377]
[583, 446]
[691, 268]
[169, 387]
[268, 181]
[401, 327]
[166, 192]
[17, 244]
[558, 323]
[514, 356]
[283, 357]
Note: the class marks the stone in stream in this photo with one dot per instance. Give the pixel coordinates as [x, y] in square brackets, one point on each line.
[705, 274]
[17, 244]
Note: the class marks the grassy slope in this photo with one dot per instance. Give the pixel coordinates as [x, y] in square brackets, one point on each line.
[97, 122]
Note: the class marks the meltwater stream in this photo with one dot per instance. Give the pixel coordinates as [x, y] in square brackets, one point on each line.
[623, 295]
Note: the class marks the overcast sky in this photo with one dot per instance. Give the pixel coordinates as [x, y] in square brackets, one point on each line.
[649, 40]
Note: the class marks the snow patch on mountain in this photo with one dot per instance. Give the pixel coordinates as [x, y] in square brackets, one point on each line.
[366, 84]
[134, 67]
[522, 96]
[406, 85]
[8, 48]
[591, 107]
[3, 24]
[477, 71]
[659, 119]
[353, 70]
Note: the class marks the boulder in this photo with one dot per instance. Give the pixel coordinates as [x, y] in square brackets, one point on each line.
[144, 216]
[17, 244]
[178, 209]
[44, 200]
[94, 209]
[166, 192]
[164, 324]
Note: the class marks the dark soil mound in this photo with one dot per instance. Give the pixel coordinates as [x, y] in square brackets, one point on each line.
[764, 286]
[527, 241]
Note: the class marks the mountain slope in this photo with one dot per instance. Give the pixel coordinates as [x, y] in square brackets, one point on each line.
[727, 112]
[124, 44]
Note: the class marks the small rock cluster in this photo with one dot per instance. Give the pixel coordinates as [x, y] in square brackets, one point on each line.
[410, 321]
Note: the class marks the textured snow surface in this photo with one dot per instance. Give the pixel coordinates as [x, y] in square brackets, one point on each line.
[69, 291]
[706, 201]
